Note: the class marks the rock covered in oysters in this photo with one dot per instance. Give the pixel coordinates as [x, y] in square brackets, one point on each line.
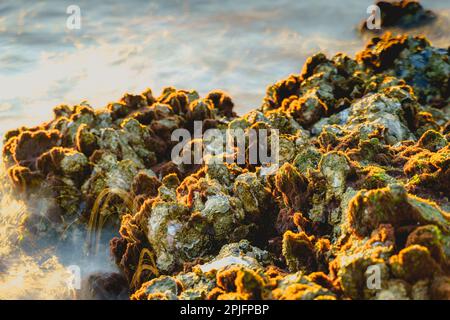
[355, 130]
[415, 60]
[239, 272]
[84, 154]
[192, 219]
[362, 183]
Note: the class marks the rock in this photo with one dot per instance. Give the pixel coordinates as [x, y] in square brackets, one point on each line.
[413, 263]
[404, 14]
[392, 205]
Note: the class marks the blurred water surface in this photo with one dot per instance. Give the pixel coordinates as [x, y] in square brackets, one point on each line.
[237, 46]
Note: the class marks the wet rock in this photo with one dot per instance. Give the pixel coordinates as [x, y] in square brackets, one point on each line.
[352, 265]
[163, 288]
[335, 167]
[392, 205]
[432, 140]
[298, 250]
[413, 263]
[222, 102]
[430, 237]
[85, 140]
[23, 179]
[413, 59]
[293, 186]
[30, 145]
[104, 286]
[440, 288]
[403, 14]
[64, 162]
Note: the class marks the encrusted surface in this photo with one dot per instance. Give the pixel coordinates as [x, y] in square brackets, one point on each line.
[363, 181]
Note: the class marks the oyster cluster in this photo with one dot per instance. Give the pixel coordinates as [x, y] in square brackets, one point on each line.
[106, 160]
[402, 14]
[357, 209]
